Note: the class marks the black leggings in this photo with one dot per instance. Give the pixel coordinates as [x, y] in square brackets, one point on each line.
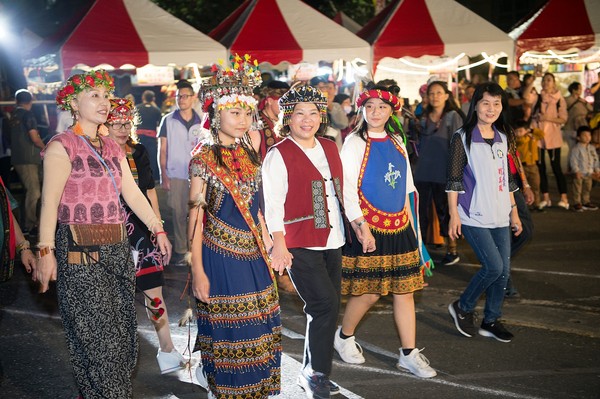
[561, 182]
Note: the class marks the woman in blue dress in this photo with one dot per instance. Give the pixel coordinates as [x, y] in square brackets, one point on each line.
[239, 327]
[378, 177]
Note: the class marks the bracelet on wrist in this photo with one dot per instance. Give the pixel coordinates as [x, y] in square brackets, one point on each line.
[44, 251]
[22, 246]
[513, 206]
[160, 232]
[359, 224]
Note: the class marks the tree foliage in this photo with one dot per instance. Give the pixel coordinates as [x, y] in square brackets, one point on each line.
[205, 15]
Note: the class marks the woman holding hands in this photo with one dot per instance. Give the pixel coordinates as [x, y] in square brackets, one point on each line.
[89, 254]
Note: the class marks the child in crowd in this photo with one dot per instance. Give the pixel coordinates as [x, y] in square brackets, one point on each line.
[584, 164]
[527, 146]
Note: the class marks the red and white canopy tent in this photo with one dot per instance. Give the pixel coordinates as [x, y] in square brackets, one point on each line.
[290, 31]
[124, 34]
[413, 38]
[558, 30]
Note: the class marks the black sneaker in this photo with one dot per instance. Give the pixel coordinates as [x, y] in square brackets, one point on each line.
[334, 388]
[578, 208]
[512, 294]
[316, 386]
[450, 259]
[495, 330]
[462, 320]
[590, 207]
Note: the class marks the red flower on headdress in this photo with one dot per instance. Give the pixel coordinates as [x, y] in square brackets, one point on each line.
[214, 68]
[89, 80]
[99, 75]
[76, 79]
[69, 89]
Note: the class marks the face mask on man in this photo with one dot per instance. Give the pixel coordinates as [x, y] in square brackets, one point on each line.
[347, 109]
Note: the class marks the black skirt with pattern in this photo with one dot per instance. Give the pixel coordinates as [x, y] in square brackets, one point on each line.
[96, 303]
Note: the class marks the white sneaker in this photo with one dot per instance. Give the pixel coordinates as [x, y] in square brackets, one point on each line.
[169, 362]
[416, 363]
[201, 376]
[348, 349]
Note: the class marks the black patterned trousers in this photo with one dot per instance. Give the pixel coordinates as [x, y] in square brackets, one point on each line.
[96, 303]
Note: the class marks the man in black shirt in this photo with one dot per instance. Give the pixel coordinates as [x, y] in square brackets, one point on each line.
[146, 131]
[25, 152]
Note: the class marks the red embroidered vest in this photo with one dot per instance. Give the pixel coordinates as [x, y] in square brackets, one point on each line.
[306, 216]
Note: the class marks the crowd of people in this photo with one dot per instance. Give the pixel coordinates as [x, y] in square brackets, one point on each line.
[281, 188]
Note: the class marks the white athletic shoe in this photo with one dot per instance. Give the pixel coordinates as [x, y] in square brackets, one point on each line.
[348, 349]
[416, 363]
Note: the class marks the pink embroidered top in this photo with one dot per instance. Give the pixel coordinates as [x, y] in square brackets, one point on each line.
[89, 196]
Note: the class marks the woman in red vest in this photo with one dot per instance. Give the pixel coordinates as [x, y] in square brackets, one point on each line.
[303, 187]
[378, 177]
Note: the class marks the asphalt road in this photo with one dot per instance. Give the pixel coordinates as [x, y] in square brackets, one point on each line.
[555, 353]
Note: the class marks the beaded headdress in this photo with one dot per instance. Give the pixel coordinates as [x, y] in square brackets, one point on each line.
[121, 108]
[383, 95]
[230, 87]
[302, 94]
[80, 82]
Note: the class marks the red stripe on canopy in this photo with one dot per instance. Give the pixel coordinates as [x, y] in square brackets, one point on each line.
[402, 36]
[265, 35]
[119, 44]
[561, 25]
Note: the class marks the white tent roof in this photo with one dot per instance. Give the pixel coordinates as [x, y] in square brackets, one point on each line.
[168, 39]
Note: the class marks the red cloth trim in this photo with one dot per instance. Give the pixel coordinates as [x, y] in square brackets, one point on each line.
[146, 132]
[511, 164]
[12, 239]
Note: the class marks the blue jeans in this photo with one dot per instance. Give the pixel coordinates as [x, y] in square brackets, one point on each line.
[492, 247]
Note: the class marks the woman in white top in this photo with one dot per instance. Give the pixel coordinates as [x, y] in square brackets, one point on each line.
[379, 185]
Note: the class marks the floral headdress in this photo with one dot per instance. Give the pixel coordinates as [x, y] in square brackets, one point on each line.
[384, 95]
[302, 94]
[230, 87]
[80, 82]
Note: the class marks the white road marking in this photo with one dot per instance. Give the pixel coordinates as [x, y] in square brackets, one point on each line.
[291, 368]
[518, 269]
